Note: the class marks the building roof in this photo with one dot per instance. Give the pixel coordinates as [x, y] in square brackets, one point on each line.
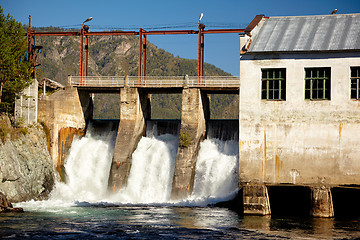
[339, 32]
[50, 83]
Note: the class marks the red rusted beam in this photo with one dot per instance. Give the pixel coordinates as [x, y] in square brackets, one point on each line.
[253, 23]
[167, 32]
[33, 33]
[199, 51]
[86, 55]
[28, 34]
[29, 38]
[140, 54]
[81, 50]
[112, 33]
[202, 39]
[240, 30]
[144, 57]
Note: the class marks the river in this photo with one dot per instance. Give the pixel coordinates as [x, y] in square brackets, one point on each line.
[82, 208]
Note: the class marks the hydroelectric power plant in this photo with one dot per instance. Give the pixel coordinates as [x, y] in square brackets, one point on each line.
[292, 152]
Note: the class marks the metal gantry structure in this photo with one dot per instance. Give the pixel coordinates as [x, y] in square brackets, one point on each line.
[84, 34]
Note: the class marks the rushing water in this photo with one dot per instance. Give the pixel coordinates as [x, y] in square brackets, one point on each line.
[82, 208]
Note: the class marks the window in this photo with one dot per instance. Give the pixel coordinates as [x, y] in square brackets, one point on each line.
[273, 84]
[317, 83]
[355, 83]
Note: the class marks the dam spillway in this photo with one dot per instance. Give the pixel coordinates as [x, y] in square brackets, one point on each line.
[72, 109]
[151, 174]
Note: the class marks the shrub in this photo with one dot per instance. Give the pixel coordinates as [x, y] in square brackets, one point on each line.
[47, 134]
[185, 139]
[24, 130]
[4, 130]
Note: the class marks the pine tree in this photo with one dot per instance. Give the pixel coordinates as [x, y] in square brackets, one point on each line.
[15, 71]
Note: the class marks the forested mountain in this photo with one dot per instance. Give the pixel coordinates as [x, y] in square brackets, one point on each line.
[118, 56]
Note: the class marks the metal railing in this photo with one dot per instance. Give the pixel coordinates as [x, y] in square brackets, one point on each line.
[155, 81]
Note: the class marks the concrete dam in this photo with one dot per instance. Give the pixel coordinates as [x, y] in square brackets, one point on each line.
[67, 113]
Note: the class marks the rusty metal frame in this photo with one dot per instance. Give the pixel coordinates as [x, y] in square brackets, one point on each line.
[142, 42]
[86, 54]
[140, 54]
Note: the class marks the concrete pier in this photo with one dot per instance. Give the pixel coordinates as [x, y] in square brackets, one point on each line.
[321, 202]
[65, 114]
[194, 113]
[256, 200]
[134, 110]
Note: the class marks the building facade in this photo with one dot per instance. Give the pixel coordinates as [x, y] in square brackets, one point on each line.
[26, 105]
[300, 101]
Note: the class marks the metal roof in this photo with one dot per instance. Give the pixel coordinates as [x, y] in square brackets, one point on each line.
[308, 33]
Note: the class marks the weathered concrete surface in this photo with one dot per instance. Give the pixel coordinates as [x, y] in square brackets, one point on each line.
[194, 113]
[134, 110]
[256, 200]
[26, 169]
[321, 202]
[66, 137]
[66, 109]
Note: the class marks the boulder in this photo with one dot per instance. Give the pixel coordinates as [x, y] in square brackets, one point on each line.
[26, 169]
[6, 206]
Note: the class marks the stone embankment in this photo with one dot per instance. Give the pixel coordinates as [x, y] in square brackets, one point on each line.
[26, 169]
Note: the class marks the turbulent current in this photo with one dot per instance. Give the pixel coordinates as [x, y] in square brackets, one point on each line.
[83, 208]
[150, 179]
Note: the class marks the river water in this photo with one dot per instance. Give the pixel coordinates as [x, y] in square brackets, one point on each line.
[84, 209]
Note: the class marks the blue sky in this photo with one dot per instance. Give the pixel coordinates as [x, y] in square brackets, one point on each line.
[221, 50]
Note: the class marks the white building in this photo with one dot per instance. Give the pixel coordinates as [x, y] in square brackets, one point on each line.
[299, 101]
[26, 104]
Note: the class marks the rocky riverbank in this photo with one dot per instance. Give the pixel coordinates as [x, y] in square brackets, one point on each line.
[26, 169]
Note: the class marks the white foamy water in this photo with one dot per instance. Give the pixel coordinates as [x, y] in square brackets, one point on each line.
[151, 174]
[216, 175]
[152, 170]
[87, 168]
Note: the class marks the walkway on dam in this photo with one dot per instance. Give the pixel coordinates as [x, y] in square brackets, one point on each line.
[107, 84]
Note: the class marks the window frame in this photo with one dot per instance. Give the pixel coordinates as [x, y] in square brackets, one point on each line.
[275, 84]
[357, 83]
[320, 84]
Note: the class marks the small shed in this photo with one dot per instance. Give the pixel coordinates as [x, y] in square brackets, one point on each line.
[48, 85]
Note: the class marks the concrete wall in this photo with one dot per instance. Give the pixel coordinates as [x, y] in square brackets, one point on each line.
[299, 141]
[26, 104]
[65, 113]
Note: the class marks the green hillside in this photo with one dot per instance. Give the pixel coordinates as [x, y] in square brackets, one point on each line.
[118, 56]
